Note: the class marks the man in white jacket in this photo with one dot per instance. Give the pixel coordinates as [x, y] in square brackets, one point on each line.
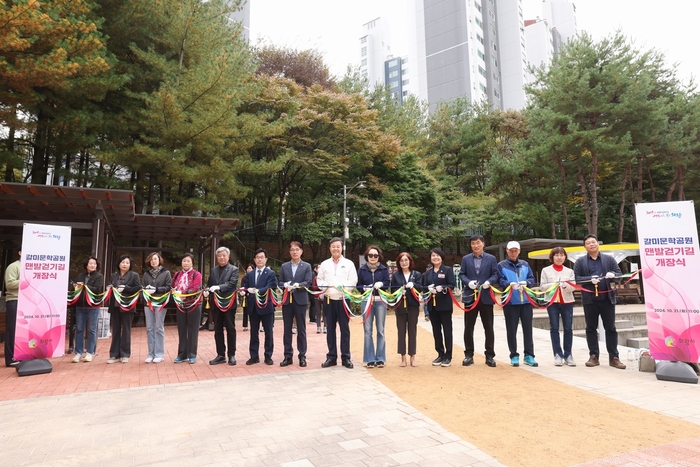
[335, 274]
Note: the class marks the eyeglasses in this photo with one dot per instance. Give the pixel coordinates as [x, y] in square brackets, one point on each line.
[372, 255]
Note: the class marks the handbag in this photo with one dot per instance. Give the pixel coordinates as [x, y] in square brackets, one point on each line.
[647, 362]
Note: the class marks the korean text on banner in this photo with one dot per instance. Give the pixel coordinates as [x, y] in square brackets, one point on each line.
[668, 246]
[41, 305]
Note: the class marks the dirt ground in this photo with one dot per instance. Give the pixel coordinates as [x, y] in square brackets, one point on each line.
[516, 416]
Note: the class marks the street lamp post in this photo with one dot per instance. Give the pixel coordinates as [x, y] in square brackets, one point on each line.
[346, 220]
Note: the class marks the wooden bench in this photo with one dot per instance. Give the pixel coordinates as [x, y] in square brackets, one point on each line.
[623, 293]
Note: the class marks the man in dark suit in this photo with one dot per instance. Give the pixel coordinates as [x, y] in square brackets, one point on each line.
[223, 279]
[597, 271]
[479, 269]
[295, 275]
[260, 280]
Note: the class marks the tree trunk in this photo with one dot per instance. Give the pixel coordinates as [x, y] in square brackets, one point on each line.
[672, 188]
[10, 147]
[564, 210]
[640, 177]
[681, 193]
[39, 145]
[594, 193]
[151, 195]
[584, 195]
[623, 195]
[651, 185]
[138, 191]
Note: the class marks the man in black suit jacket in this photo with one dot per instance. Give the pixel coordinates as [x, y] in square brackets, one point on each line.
[478, 269]
[295, 275]
[596, 271]
[223, 279]
[260, 280]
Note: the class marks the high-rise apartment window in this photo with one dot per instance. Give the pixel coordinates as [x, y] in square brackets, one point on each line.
[393, 84]
[404, 71]
[496, 78]
[364, 62]
[393, 63]
[404, 82]
[479, 38]
[478, 21]
[494, 61]
[404, 60]
[497, 94]
[482, 87]
[363, 40]
[364, 51]
[493, 45]
[493, 17]
[480, 54]
[405, 93]
[393, 74]
[482, 72]
[478, 6]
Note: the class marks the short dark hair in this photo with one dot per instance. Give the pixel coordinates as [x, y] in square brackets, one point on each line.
[87, 260]
[411, 263]
[379, 250]
[296, 244]
[589, 236]
[555, 251]
[251, 266]
[150, 257]
[122, 258]
[187, 255]
[335, 239]
[258, 251]
[474, 238]
[438, 252]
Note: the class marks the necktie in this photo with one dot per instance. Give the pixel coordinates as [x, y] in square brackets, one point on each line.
[257, 277]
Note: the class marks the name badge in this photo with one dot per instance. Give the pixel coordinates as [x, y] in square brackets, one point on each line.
[441, 276]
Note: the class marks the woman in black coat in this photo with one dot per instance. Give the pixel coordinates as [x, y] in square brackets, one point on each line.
[86, 315]
[127, 283]
[408, 308]
[439, 280]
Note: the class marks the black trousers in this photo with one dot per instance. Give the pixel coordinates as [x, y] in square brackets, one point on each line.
[606, 311]
[335, 314]
[121, 333]
[442, 332]
[514, 314]
[227, 320]
[486, 312]
[188, 332]
[10, 330]
[289, 312]
[407, 322]
[267, 323]
[245, 316]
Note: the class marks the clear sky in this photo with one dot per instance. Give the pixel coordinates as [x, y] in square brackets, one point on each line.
[334, 26]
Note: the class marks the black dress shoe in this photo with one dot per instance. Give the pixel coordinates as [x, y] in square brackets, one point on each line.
[468, 361]
[348, 364]
[252, 361]
[491, 362]
[302, 361]
[328, 363]
[219, 359]
[287, 361]
[268, 361]
[203, 327]
[232, 360]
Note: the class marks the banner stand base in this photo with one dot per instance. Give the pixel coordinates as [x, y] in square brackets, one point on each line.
[676, 371]
[34, 367]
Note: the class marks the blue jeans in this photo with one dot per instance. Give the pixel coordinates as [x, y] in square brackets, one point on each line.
[155, 330]
[566, 311]
[378, 314]
[85, 316]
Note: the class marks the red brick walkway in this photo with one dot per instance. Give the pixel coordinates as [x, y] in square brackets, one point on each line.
[68, 378]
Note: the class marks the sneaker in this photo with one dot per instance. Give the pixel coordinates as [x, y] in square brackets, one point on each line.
[446, 362]
[294, 330]
[87, 358]
[370, 365]
[558, 361]
[379, 364]
[113, 360]
[192, 361]
[325, 329]
[179, 360]
[570, 360]
[76, 358]
[530, 360]
[157, 359]
[148, 360]
[125, 359]
[515, 361]
[437, 361]
[318, 330]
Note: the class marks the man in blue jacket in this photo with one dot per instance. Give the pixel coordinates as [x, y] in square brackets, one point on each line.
[260, 280]
[479, 269]
[295, 276]
[596, 272]
[517, 274]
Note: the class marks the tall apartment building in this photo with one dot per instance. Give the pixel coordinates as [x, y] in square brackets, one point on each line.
[544, 37]
[375, 49]
[561, 15]
[469, 48]
[242, 16]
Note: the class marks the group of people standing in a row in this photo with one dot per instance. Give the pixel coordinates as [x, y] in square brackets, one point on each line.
[479, 270]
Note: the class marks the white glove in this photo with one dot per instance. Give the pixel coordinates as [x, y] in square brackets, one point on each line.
[486, 285]
[515, 286]
[563, 285]
[522, 282]
[295, 285]
[610, 275]
[472, 285]
[378, 285]
[241, 292]
[150, 288]
[205, 293]
[409, 285]
[595, 280]
[431, 288]
[252, 290]
[214, 288]
[120, 289]
[439, 288]
[287, 285]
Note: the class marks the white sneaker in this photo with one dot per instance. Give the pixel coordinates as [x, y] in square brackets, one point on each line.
[87, 358]
[149, 360]
[157, 359]
[76, 358]
[113, 360]
[558, 361]
[125, 359]
[570, 360]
